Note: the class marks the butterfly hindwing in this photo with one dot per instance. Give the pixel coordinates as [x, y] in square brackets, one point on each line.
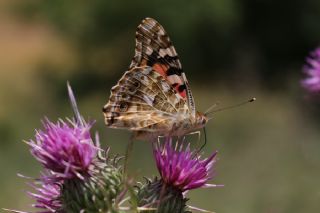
[141, 100]
[154, 49]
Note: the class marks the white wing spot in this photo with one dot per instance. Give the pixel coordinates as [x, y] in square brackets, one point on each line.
[168, 51]
[165, 86]
[146, 71]
[174, 79]
[148, 99]
[149, 51]
[142, 78]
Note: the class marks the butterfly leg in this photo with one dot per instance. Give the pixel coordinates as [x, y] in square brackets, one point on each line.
[199, 138]
[159, 137]
[196, 133]
[127, 156]
[205, 139]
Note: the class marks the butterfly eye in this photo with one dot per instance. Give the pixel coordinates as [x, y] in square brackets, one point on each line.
[123, 107]
[204, 121]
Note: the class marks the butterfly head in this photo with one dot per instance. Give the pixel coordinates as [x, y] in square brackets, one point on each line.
[201, 120]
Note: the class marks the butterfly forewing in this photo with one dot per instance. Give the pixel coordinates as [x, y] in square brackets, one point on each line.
[154, 49]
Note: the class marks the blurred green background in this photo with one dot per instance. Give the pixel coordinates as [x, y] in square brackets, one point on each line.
[269, 151]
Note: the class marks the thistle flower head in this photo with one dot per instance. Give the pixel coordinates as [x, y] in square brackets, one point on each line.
[312, 70]
[182, 168]
[65, 147]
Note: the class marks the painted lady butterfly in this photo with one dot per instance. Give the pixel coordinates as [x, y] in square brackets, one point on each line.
[153, 97]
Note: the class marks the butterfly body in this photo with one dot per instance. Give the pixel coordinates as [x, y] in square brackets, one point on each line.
[153, 97]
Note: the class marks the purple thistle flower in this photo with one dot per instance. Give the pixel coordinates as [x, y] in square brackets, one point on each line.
[312, 70]
[182, 168]
[65, 148]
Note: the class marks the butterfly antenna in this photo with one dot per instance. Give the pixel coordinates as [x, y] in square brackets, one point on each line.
[211, 107]
[231, 107]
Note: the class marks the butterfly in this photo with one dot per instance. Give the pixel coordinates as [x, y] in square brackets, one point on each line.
[153, 98]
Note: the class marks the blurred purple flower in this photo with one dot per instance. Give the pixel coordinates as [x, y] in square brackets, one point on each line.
[47, 194]
[182, 168]
[312, 70]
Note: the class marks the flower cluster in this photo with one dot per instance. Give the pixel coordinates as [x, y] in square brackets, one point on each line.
[79, 176]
